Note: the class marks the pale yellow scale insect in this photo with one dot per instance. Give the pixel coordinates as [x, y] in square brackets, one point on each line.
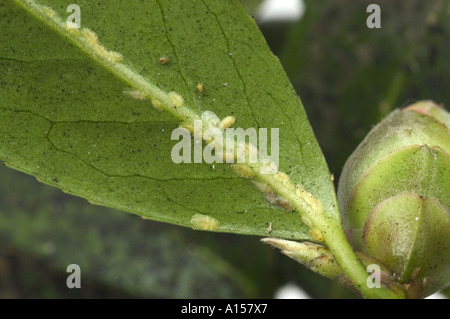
[49, 12]
[101, 50]
[90, 36]
[158, 104]
[313, 202]
[114, 56]
[284, 179]
[204, 222]
[306, 221]
[243, 170]
[72, 28]
[109, 55]
[227, 122]
[135, 94]
[316, 234]
[263, 187]
[176, 99]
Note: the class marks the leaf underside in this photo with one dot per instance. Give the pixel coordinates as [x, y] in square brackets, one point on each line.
[67, 121]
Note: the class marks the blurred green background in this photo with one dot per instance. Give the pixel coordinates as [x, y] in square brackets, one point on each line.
[348, 77]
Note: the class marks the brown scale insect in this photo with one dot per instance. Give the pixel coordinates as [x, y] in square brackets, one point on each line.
[164, 60]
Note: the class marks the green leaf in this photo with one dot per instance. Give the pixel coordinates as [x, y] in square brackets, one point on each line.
[65, 119]
[42, 231]
[40, 223]
[250, 6]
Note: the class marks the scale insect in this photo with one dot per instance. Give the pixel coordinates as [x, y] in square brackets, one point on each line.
[285, 204]
[72, 28]
[90, 36]
[157, 104]
[108, 55]
[164, 60]
[316, 234]
[227, 122]
[204, 222]
[244, 171]
[115, 57]
[284, 179]
[49, 12]
[176, 99]
[135, 94]
[270, 229]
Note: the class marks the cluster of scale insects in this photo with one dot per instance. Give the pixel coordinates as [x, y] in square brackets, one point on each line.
[198, 221]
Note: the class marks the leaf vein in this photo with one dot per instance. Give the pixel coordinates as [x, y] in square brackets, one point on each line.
[173, 47]
[241, 79]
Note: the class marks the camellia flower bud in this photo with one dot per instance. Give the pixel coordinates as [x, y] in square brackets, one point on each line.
[394, 195]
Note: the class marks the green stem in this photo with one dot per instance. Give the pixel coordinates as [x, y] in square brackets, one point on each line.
[334, 238]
